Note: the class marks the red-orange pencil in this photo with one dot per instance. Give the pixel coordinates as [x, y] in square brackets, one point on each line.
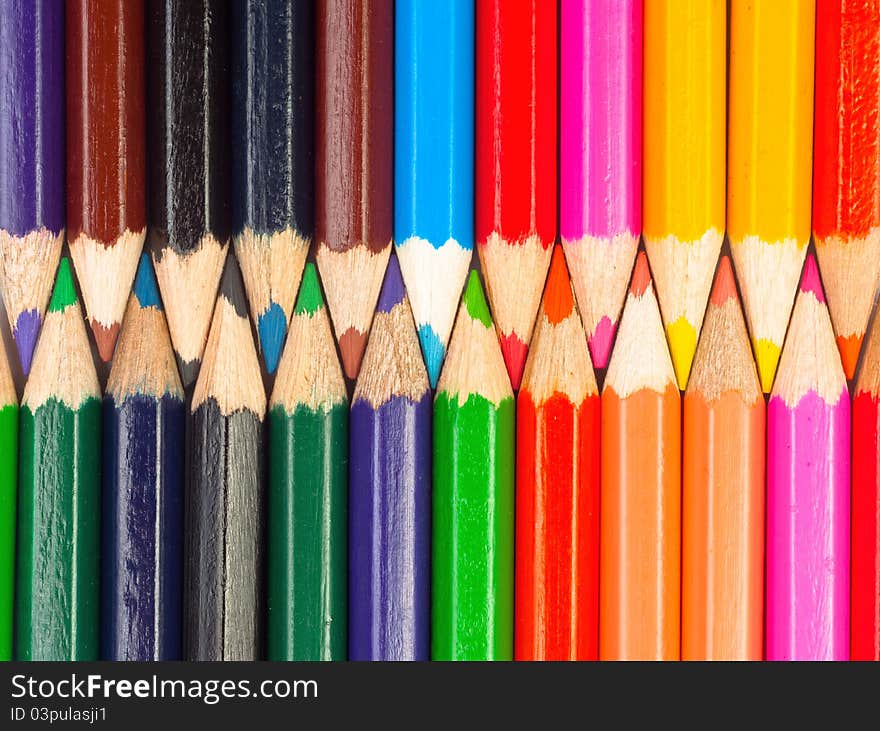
[557, 485]
[722, 596]
[640, 531]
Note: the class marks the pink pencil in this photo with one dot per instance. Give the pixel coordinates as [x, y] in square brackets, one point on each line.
[600, 197]
[808, 489]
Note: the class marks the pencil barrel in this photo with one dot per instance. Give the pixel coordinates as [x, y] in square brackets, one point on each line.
[307, 534]
[390, 530]
[224, 616]
[473, 528]
[557, 529]
[142, 529]
[57, 602]
[8, 493]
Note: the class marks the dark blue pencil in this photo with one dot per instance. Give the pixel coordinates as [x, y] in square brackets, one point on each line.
[144, 421]
[390, 489]
[272, 124]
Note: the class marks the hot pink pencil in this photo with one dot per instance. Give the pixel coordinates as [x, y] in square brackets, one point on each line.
[808, 497]
[600, 196]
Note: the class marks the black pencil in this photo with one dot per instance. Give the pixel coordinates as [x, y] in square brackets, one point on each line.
[224, 607]
[188, 145]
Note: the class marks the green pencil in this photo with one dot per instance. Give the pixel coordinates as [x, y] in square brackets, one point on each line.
[8, 470]
[472, 605]
[59, 500]
[308, 489]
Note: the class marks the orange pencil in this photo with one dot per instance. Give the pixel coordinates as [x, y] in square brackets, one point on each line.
[640, 533]
[557, 485]
[722, 596]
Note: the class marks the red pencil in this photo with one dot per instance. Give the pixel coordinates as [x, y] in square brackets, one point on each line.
[846, 165]
[557, 486]
[865, 609]
[515, 171]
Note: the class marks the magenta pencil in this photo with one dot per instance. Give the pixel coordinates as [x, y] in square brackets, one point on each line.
[808, 489]
[600, 195]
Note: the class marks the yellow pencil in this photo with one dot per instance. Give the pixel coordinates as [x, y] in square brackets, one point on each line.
[685, 98]
[769, 158]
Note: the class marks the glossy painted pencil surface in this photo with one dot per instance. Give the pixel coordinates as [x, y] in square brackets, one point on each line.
[557, 485]
[188, 144]
[515, 163]
[224, 612]
[434, 162]
[600, 157]
[59, 509]
[272, 133]
[640, 532]
[769, 162]
[808, 489]
[685, 129]
[865, 595]
[722, 572]
[308, 497]
[143, 475]
[31, 162]
[8, 494]
[473, 497]
[354, 168]
[390, 489]
[106, 156]
[846, 165]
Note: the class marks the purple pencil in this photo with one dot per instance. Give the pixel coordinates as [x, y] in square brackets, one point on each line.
[31, 162]
[390, 488]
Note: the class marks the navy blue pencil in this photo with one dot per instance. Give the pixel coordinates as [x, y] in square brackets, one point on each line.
[390, 489]
[144, 422]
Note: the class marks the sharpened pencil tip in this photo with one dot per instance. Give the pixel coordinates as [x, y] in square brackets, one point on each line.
[641, 277]
[475, 300]
[272, 329]
[810, 281]
[105, 339]
[558, 297]
[393, 291]
[25, 333]
[433, 351]
[725, 284]
[600, 342]
[767, 359]
[682, 338]
[849, 348]
[64, 293]
[515, 352]
[189, 370]
[309, 300]
[145, 288]
[351, 347]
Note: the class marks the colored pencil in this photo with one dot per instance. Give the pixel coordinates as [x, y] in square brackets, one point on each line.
[272, 129]
[473, 498]
[685, 131]
[865, 597]
[808, 489]
[31, 162]
[59, 505]
[515, 163]
[308, 499]
[106, 156]
[846, 166]
[639, 572]
[434, 162]
[224, 554]
[600, 145]
[354, 187]
[769, 163]
[557, 485]
[187, 53]
[390, 488]
[8, 492]
[722, 582]
[142, 525]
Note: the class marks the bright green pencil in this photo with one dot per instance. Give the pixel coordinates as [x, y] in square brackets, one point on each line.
[308, 489]
[472, 605]
[59, 501]
[8, 471]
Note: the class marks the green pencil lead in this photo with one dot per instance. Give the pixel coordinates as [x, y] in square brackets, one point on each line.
[309, 300]
[475, 300]
[64, 294]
